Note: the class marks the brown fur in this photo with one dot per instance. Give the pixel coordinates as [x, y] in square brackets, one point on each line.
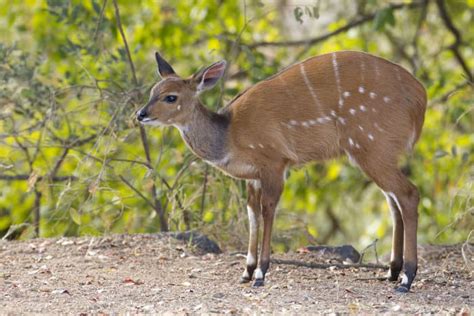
[344, 102]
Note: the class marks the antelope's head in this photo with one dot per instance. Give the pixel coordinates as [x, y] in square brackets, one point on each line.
[173, 99]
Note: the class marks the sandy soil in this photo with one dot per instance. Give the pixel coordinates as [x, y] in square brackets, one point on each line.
[157, 273]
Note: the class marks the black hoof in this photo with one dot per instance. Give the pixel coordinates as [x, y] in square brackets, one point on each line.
[402, 289]
[244, 280]
[258, 283]
[392, 278]
[394, 271]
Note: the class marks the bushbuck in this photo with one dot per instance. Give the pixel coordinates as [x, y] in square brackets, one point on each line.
[342, 103]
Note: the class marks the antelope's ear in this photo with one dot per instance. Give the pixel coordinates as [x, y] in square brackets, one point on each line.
[164, 69]
[207, 78]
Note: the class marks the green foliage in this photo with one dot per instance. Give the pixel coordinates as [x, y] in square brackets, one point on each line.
[68, 97]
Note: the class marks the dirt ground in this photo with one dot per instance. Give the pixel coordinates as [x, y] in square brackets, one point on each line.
[159, 274]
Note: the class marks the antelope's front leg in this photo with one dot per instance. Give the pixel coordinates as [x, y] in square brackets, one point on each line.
[271, 191]
[253, 210]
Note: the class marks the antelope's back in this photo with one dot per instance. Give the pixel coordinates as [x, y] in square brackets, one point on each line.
[329, 103]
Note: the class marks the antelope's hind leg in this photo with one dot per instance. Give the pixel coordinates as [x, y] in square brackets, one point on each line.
[253, 210]
[404, 195]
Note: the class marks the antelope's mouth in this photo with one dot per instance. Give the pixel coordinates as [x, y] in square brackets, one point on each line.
[151, 121]
[147, 119]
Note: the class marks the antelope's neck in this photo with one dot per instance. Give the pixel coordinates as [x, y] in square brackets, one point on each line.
[206, 134]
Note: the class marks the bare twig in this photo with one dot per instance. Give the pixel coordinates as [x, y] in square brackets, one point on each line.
[136, 191]
[443, 98]
[204, 187]
[36, 211]
[371, 245]
[464, 249]
[455, 47]
[127, 50]
[157, 204]
[25, 177]
[101, 17]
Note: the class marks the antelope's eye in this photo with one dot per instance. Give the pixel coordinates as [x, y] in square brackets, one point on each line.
[170, 98]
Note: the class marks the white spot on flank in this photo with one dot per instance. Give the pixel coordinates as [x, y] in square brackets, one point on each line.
[386, 99]
[305, 124]
[371, 137]
[336, 75]
[346, 94]
[321, 120]
[260, 145]
[312, 122]
[293, 122]
[399, 77]
[363, 108]
[179, 107]
[333, 113]
[252, 146]
[378, 127]
[361, 89]
[374, 110]
[342, 120]
[352, 111]
[309, 86]
[357, 145]
[361, 128]
[372, 95]
[377, 71]
[351, 142]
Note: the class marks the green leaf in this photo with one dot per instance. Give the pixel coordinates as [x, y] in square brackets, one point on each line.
[96, 6]
[384, 17]
[75, 216]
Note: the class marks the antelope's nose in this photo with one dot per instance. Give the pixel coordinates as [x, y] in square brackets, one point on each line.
[141, 114]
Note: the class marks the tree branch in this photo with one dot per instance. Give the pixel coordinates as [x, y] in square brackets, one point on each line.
[127, 50]
[345, 28]
[455, 47]
[157, 204]
[25, 177]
